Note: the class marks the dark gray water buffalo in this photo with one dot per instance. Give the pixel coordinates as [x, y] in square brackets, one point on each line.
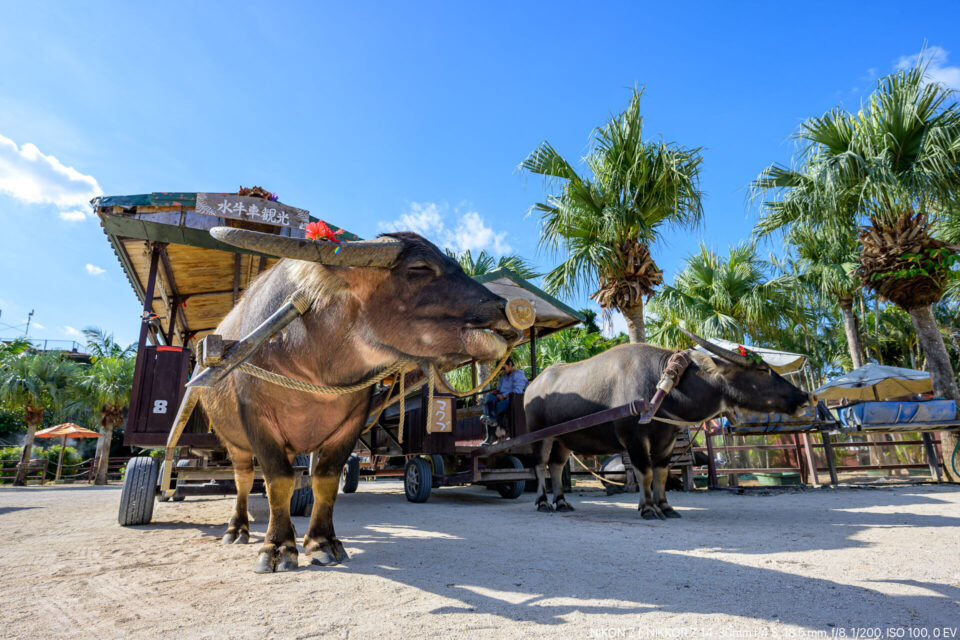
[393, 299]
[711, 383]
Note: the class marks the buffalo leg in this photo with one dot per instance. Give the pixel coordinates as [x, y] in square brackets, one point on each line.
[558, 459]
[660, 474]
[279, 550]
[320, 541]
[238, 530]
[640, 458]
[543, 456]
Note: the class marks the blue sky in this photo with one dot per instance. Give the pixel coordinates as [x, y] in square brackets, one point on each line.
[374, 115]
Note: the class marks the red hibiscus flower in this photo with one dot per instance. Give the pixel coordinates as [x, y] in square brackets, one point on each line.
[319, 230]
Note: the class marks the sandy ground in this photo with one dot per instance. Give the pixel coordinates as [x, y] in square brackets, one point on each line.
[468, 564]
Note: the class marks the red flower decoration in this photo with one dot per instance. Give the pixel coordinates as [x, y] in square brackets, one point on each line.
[319, 230]
[742, 350]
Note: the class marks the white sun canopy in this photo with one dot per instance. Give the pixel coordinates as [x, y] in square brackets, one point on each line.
[875, 381]
[782, 362]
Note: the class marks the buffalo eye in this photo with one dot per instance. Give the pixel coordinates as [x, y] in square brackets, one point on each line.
[421, 269]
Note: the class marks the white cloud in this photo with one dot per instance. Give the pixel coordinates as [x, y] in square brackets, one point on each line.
[37, 325]
[938, 70]
[70, 331]
[73, 215]
[465, 231]
[28, 174]
[613, 325]
[94, 270]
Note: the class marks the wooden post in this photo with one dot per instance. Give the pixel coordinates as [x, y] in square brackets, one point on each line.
[800, 466]
[712, 463]
[533, 352]
[63, 445]
[236, 278]
[811, 461]
[931, 455]
[828, 454]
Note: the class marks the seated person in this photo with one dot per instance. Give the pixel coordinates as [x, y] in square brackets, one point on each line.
[512, 381]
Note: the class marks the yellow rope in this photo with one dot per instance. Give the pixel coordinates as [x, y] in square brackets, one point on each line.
[622, 484]
[463, 394]
[300, 385]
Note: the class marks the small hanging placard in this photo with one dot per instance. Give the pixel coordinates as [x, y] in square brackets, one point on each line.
[441, 415]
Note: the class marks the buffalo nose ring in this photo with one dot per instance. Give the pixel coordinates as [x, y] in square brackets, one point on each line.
[520, 313]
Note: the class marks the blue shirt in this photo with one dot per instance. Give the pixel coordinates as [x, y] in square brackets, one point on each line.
[514, 382]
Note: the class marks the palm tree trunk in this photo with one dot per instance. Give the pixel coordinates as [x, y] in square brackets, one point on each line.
[938, 363]
[103, 453]
[852, 329]
[21, 479]
[634, 318]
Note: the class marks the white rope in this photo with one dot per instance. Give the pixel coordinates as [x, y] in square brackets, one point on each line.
[300, 385]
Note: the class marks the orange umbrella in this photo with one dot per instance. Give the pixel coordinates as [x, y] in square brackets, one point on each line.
[65, 430]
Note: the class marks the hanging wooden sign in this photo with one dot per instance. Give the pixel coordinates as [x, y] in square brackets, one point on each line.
[441, 415]
[228, 205]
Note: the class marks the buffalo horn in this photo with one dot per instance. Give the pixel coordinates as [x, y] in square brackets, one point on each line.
[365, 253]
[726, 354]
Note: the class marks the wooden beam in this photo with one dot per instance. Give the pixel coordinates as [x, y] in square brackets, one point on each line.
[261, 265]
[236, 278]
[174, 292]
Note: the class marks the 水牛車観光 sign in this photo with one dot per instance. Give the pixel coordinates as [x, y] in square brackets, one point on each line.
[226, 205]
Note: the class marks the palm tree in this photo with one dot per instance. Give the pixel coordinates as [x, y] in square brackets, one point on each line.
[829, 263]
[485, 263]
[102, 345]
[897, 162]
[604, 223]
[105, 385]
[730, 298]
[35, 382]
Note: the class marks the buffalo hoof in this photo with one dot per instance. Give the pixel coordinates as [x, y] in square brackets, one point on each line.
[279, 559]
[562, 506]
[326, 552]
[650, 512]
[669, 512]
[544, 507]
[235, 537]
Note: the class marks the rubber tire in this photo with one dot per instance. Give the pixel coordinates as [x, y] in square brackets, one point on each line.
[139, 491]
[511, 490]
[350, 477]
[417, 480]
[302, 498]
[614, 463]
[437, 468]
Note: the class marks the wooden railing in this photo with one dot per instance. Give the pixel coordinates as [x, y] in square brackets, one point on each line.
[42, 470]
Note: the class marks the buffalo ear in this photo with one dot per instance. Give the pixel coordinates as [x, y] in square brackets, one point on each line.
[382, 252]
[720, 352]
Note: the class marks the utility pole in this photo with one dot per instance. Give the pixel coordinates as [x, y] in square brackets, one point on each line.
[26, 333]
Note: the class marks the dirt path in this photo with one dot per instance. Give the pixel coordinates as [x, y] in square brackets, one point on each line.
[468, 564]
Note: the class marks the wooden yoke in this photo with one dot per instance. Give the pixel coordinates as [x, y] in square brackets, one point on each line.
[676, 365]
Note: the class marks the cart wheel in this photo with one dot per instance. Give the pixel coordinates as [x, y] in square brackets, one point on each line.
[350, 476]
[300, 502]
[417, 480]
[613, 463]
[437, 468]
[511, 490]
[139, 490]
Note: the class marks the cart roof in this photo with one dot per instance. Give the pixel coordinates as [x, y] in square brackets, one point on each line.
[199, 278]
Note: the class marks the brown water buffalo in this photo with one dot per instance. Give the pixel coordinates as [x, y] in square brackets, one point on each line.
[724, 380]
[397, 298]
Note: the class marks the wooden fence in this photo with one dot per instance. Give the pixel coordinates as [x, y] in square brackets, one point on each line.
[42, 470]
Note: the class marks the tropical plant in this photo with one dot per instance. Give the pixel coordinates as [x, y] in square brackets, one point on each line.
[604, 223]
[105, 385]
[102, 345]
[722, 297]
[829, 263]
[35, 382]
[893, 169]
[485, 263]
